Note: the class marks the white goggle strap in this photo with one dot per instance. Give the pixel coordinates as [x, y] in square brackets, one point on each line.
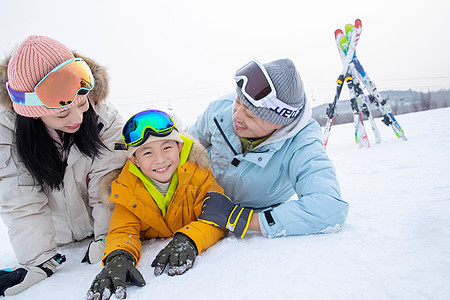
[281, 108]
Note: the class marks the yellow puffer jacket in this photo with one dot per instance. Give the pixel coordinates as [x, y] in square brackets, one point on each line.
[137, 217]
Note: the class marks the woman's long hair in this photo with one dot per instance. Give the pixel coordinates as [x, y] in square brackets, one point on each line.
[41, 157]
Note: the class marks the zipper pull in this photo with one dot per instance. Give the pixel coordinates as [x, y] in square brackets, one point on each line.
[249, 146]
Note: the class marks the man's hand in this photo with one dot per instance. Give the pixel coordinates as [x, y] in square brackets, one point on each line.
[180, 253]
[220, 211]
[119, 269]
[14, 281]
[94, 252]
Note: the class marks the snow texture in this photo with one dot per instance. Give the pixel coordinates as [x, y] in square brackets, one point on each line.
[394, 245]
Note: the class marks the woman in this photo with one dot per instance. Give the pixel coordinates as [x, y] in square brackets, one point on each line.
[58, 140]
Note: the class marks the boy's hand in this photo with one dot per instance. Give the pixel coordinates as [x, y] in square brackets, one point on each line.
[220, 211]
[179, 253]
[119, 269]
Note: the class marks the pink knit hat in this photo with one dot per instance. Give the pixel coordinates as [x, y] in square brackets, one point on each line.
[31, 61]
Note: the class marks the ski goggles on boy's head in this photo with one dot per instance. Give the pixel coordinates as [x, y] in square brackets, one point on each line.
[60, 87]
[258, 88]
[148, 122]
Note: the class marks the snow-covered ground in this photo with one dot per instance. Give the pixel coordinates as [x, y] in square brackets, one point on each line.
[394, 245]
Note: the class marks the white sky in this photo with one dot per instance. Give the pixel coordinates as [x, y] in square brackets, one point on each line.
[183, 53]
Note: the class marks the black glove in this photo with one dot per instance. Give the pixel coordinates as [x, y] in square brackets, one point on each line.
[220, 211]
[94, 252]
[180, 253]
[14, 281]
[119, 269]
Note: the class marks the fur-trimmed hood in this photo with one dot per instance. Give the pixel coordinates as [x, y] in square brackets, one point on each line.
[97, 95]
[198, 153]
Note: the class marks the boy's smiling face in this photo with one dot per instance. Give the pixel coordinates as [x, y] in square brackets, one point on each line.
[158, 159]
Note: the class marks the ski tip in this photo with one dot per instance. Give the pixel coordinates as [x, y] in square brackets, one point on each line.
[343, 43]
[338, 32]
[343, 39]
[358, 23]
[338, 35]
[348, 28]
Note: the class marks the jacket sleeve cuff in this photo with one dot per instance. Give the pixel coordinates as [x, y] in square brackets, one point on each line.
[270, 224]
[203, 235]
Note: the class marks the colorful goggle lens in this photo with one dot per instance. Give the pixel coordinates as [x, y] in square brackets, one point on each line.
[60, 87]
[148, 122]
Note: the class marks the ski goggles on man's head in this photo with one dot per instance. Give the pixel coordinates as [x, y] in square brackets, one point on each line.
[60, 87]
[258, 88]
[148, 122]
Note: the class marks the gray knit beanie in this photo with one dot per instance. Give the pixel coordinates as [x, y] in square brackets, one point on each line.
[289, 87]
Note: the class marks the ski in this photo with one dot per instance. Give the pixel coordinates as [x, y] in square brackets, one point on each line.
[331, 110]
[377, 99]
[361, 100]
[365, 108]
[361, 138]
[360, 131]
[330, 113]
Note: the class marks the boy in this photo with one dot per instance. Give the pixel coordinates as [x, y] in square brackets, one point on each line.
[159, 193]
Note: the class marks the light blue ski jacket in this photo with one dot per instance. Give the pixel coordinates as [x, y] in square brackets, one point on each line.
[291, 161]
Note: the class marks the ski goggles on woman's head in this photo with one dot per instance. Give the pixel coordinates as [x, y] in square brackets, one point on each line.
[148, 122]
[258, 88]
[60, 87]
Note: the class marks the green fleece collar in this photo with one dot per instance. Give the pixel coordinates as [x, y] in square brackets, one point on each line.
[186, 150]
[250, 144]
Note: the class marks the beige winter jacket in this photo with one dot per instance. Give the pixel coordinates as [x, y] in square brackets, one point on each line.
[39, 220]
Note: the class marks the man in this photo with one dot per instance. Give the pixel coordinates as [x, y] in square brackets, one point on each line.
[265, 147]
